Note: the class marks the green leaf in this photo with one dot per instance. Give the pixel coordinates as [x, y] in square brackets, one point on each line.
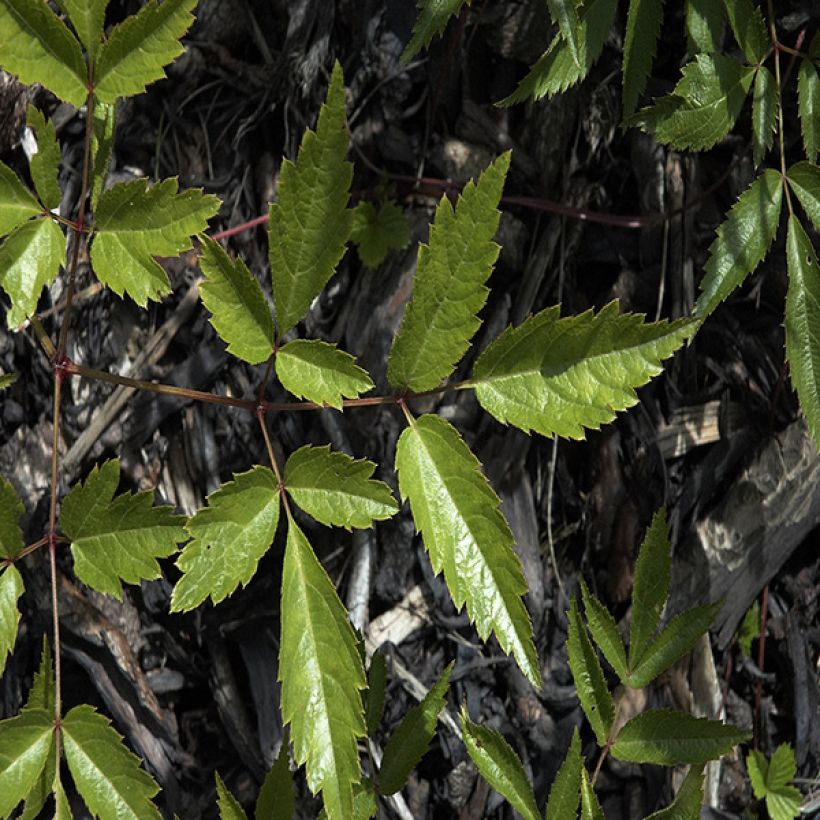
[431, 21]
[376, 233]
[228, 805]
[38, 48]
[565, 792]
[758, 767]
[276, 801]
[643, 26]
[411, 739]
[705, 23]
[138, 49]
[555, 70]
[336, 489]
[500, 766]
[26, 741]
[117, 539]
[590, 807]
[449, 288]
[749, 28]
[808, 108]
[6, 381]
[803, 323]
[320, 372]
[322, 676]
[135, 223]
[374, 699]
[565, 14]
[561, 376]
[102, 147]
[703, 106]
[465, 534]
[45, 164]
[30, 258]
[749, 629]
[310, 223]
[742, 241]
[365, 803]
[605, 632]
[241, 315]
[17, 205]
[62, 808]
[688, 800]
[107, 775]
[88, 18]
[229, 536]
[595, 698]
[765, 101]
[667, 738]
[11, 588]
[11, 510]
[782, 800]
[804, 180]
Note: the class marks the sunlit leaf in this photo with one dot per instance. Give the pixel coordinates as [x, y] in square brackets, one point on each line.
[102, 147]
[17, 205]
[705, 24]
[87, 17]
[11, 588]
[764, 113]
[770, 779]
[688, 801]
[25, 744]
[590, 807]
[605, 632]
[45, 164]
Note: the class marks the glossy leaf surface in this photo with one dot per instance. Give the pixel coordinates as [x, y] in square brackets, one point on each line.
[25, 744]
[565, 792]
[11, 588]
[605, 633]
[764, 113]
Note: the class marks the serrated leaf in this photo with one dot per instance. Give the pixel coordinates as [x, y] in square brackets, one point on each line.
[320, 372]
[808, 107]
[643, 26]
[310, 223]
[804, 180]
[465, 534]
[11, 510]
[11, 588]
[25, 744]
[376, 233]
[605, 632]
[117, 539]
[500, 766]
[7, 380]
[62, 809]
[749, 629]
[593, 694]
[107, 775]
[322, 677]
[742, 241]
[565, 792]
[38, 48]
[432, 19]
[228, 805]
[782, 767]
[229, 536]
[138, 49]
[782, 800]
[276, 801]
[702, 108]
[705, 23]
[17, 205]
[102, 147]
[135, 223]
[556, 71]
[449, 288]
[749, 28]
[45, 164]
[240, 313]
[764, 113]
[30, 258]
[565, 14]
[590, 807]
[365, 803]
[688, 800]
[374, 699]
[667, 738]
[562, 376]
[411, 738]
[87, 17]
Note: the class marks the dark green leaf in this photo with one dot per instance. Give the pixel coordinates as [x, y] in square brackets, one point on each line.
[378, 232]
[228, 805]
[11, 588]
[808, 96]
[565, 793]
[688, 800]
[590, 807]
[643, 26]
[804, 180]
[764, 113]
[102, 146]
[432, 19]
[705, 23]
[749, 28]
[45, 164]
[17, 205]
[565, 14]
[276, 800]
[605, 632]
[376, 684]
[6, 381]
[11, 509]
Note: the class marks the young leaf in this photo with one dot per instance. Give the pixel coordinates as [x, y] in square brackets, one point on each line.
[87, 17]
[7, 380]
[749, 28]
[432, 19]
[374, 699]
[705, 23]
[590, 807]
[275, 801]
[688, 800]
[11, 588]
[605, 632]
[320, 372]
[117, 539]
[26, 741]
[449, 288]
[804, 180]
[322, 676]
[45, 164]
[378, 232]
[107, 775]
[742, 240]
[561, 376]
[228, 805]
[643, 26]
[758, 767]
[411, 739]
[808, 107]
[17, 205]
[565, 14]
[500, 766]
[229, 536]
[310, 223]
[241, 315]
[770, 779]
[135, 223]
[749, 629]
[102, 146]
[565, 793]
[667, 738]
[138, 49]
[466, 536]
[11, 508]
[764, 113]
[336, 489]
[38, 48]
[595, 698]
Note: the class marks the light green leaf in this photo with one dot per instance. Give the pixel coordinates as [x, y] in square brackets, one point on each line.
[705, 23]
[595, 698]
[102, 147]
[749, 28]
[26, 741]
[765, 101]
[590, 807]
[374, 698]
[320, 372]
[742, 241]
[667, 738]
[38, 48]
[117, 539]
[45, 164]
[241, 315]
[565, 792]
[562, 376]
[138, 49]
[135, 223]
[772, 780]
[431, 21]
[229, 536]
[804, 180]
[411, 738]
[17, 205]
[87, 17]
[643, 26]
[30, 258]
[378, 232]
[11, 509]
[310, 223]
[565, 14]
[758, 767]
[803, 323]
[228, 805]
[6, 381]
[500, 766]
[62, 808]
[605, 632]
[449, 288]
[749, 629]
[336, 489]
[11, 588]
[107, 775]
[322, 677]
[688, 800]
[276, 801]
[465, 534]
[808, 108]
[555, 70]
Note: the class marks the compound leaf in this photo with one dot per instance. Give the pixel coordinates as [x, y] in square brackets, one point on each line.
[102, 146]
[688, 800]
[742, 240]
[320, 372]
[565, 793]
[26, 741]
[804, 180]
[240, 314]
[431, 21]
[229, 536]
[135, 223]
[62, 808]
[107, 775]
[605, 632]
[808, 108]
[88, 18]
[764, 113]
[322, 677]
[11, 509]
[749, 28]
[378, 232]
[45, 164]
[466, 536]
[228, 805]
[374, 699]
[705, 23]
[310, 223]
[643, 26]
[11, 588]
[449, 288]
[337, 489]
[555, 375]
[17, 205]
[365, 803]
[138, 49]
[276, 801]
[770, 779]
[565, 14]
[590, 807]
